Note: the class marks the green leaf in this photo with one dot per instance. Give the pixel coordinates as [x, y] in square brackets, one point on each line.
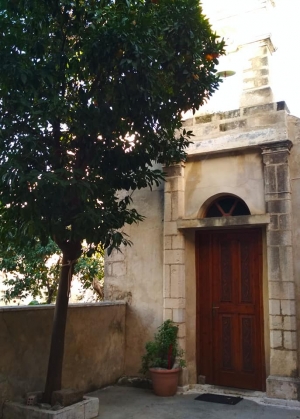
[91, 98]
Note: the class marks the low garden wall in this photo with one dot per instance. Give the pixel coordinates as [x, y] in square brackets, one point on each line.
[94, 347]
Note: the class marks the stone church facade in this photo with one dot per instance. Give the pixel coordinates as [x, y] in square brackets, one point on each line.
[218, 252]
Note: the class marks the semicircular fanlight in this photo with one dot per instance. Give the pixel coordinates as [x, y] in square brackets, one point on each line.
[227, 206]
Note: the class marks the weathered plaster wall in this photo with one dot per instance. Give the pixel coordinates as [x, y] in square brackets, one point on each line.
[240, 174]
[94, 347]
[136, 275]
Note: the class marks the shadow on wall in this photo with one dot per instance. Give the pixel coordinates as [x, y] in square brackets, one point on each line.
[94, 347]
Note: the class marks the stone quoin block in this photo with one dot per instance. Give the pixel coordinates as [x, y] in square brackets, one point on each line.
[274, 222]
[288, 307]
[286, 263]
[168, 207]
[274, 307]
[281, 290]
[279, 238]
[283, 178]
[273, 257]
[170, 228]
[276, 339]
[283, 388]
[289, 323]
[178, 242]
[174, 303]
[168, 314]
[174, 257]
[168, 242]
[285, 222]
[177, 281]
[283, 362]
[178, 315]
[290, 340]
[177, 203]
[278, 206]
[276, 322]
[270, 179]
[167, 282]
[174, 184]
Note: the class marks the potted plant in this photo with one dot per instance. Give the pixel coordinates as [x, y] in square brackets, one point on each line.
[164, 360]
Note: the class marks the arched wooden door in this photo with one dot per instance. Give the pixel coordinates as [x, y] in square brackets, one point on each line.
[230, 350]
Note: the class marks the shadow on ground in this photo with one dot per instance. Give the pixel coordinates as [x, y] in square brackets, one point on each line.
[134, 403]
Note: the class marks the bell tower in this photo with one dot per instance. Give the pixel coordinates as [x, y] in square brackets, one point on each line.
[246, 28]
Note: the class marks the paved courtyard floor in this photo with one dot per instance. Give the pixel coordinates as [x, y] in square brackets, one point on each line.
[120, 402]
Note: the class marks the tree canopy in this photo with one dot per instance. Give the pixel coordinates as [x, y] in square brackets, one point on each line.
[33, 271]
[91, 95]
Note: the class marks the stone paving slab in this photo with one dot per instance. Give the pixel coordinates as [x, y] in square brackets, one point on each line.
[134, 403]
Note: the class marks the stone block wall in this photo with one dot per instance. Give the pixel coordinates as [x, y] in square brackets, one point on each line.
[242, 119]
[256, 77]
[174, 250]
[283, 330]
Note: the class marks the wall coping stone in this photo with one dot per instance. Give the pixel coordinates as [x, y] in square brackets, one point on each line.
[243, 111]
[246, 127]
[253, 138]
[72, 305]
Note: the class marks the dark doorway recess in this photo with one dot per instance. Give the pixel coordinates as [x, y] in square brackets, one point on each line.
[230, 350]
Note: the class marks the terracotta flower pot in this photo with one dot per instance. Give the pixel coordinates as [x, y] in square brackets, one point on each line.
[165, 382]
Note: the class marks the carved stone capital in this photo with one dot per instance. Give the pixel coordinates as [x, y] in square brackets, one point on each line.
[276, 153]
[176, 170]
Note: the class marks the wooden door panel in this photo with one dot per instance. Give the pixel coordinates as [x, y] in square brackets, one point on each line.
[226, 356]
[204, 312]
[222, 265]
[229, 308]
[247, 342]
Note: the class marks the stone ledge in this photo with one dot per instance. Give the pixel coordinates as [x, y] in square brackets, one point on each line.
[242, 220]
[87, 409]
[52, 306]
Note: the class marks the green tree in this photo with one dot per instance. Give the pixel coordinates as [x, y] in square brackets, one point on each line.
[92, 93]
[34, 270]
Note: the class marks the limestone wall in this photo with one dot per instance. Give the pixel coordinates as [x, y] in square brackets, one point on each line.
[94, 347]
[294, 307]
[136, 275]
[252, 153]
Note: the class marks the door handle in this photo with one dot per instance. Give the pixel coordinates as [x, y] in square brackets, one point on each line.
[214, 307]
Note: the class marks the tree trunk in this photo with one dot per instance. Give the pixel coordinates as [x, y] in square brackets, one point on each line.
[55, 363]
